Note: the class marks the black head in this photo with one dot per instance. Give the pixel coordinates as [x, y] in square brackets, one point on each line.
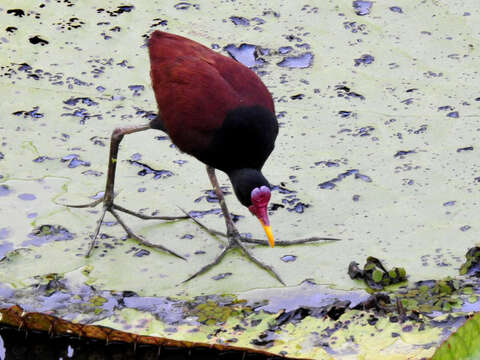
[253, 191]
[244, 181]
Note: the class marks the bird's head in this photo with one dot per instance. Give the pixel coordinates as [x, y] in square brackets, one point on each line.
[253, 191]
[260, 196]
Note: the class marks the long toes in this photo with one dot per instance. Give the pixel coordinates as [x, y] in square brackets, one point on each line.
[92, 204]
[147, 217]
[259, 263]
[246, 240]
[210, 265]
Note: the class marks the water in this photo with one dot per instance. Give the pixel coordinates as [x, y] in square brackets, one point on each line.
[362, 8]
[301, 61]
[238, 20]
[244, 54]
[288, 258]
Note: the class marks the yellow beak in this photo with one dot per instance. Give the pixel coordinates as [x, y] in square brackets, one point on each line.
[268, 232]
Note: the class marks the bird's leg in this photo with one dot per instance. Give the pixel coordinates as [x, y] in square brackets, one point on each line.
[234, 238]
[107, 199]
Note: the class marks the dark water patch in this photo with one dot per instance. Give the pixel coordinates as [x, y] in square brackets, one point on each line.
[142, 253]
[362, 8]
[150, 115]
[24, 67]
[396, 9]
[118, 11]
[74, 161]
[38, 40]
[276, 206]
[346, 92]
[92, 172]
[282, 189]
[453, 114]
[5, 246]
[137, 89]
[285, 50]
[330, 184]
[246, 54]
[47, 233]
[16, 12]
[468, 148]
[402, 153]
[146, 170]
[27, 197]
[363, 131]
[221, 276]
[83, 114]
[345, 114]
[407, 101]
[445, 108]
[5, 190]
[297, 62]
[327, 185]
[187, 236]
[449, 203]
[288, 258]
[365, 59]
[420, 130]
[41, 159]
[327, 163]
[159, 22]
[96, 140]
[239, 20]
[136, 157]
[363, 177]
[303, 46]
[84, 100]
[299, 207]
[465, 227]
[355, 27]
[356, 197]
[258, 21]
[183, 5]
[211, 197]
[4, 233]
[34, 114]
[70, 24]
[200, 214]
[297, 97]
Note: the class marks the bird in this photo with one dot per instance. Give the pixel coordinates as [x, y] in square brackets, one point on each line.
[220, 112]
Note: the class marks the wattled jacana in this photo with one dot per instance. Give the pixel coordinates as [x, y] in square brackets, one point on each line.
[218, 111]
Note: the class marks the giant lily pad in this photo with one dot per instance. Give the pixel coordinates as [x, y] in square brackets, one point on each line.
[378, 140]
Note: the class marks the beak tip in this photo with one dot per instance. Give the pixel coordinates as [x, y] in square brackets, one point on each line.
[268, 232]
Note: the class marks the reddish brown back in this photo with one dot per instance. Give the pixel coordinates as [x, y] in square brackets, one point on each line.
[195, 87]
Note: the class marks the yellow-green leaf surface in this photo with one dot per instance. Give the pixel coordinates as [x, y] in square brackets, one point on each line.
[378, 146]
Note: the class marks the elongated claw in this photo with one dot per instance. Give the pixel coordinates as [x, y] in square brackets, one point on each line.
[142, 241]
[92, 204]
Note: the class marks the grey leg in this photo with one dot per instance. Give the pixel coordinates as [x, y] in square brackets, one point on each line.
[107, 199]
[234, 239]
